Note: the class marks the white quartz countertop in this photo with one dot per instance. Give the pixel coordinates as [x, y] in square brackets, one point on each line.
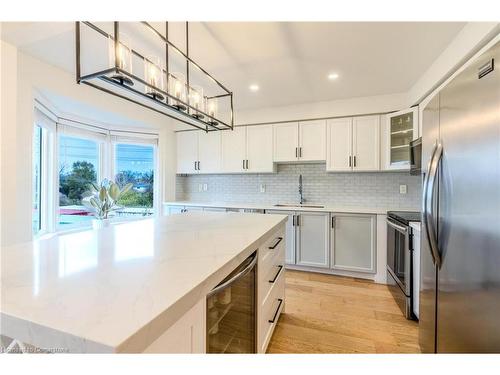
[118, 288]
[270, 206]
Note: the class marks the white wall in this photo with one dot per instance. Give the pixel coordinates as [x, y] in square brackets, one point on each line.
[334, 108]
[22, 78]
[469, 40]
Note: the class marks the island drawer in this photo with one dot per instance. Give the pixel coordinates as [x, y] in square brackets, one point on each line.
[270, 275]
[273, 245]
[270, 312]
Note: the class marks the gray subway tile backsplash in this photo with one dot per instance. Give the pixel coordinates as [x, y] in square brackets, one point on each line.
[369, 189]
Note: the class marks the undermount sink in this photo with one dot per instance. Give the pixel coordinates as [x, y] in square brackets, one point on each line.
[298, 205]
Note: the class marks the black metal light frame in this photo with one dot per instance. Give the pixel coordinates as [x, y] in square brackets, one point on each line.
[213, 124]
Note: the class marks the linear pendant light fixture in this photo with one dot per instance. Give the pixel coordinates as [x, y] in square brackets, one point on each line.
[140, 73]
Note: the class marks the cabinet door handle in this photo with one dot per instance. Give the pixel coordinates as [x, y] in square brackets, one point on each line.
[296, 152]
[277, 310]
[278, 240]
[333, 222]
[350, 161]
[243, 163]
[293, 220]
[199, 168]
[195, 166]
[300, 152]
[276, 276]
[247, 163]
[298, 222]
[354, 160]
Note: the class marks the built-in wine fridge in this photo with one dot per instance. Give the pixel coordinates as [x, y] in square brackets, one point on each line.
[231, 311]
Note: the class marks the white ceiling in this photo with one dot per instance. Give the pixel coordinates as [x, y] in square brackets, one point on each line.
[289, 61]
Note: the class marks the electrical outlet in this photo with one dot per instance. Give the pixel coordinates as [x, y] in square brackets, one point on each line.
[402, 189]
[205, 187]
[200, 187]
[262, 188]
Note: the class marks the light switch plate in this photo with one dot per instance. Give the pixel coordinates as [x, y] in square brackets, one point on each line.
[402, 189]
[262, 188]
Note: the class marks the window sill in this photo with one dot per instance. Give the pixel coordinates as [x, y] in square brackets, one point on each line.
[85, 227]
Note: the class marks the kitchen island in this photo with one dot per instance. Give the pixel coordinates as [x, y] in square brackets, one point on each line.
[131, 287]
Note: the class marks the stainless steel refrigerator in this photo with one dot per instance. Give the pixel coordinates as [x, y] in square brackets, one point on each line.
[460, 244]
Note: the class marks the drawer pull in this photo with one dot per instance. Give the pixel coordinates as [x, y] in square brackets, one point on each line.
[278, 240]
[275, 277]
[276, 313]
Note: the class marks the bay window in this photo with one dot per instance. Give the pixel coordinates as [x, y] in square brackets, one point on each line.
[69, 157]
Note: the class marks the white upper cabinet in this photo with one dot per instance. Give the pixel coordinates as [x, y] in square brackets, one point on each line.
[259, 146]
[366, 143]
[304, 141]
[248, 149]
[187, 152]
[209, 152]
[312, 140]
[353, 144]
[234, 150]
[339, 144]
[398, 129]
[286, 141]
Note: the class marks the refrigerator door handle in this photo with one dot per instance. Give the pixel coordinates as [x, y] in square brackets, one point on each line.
[429, 203]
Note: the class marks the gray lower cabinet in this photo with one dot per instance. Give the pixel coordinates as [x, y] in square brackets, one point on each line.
[181, 209]
[214, 209]
[175, 210]
[353, 242]
[290, 234]
[312, 239]
[192, 208]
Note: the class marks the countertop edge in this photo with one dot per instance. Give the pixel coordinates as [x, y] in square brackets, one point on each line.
[44, 336]
[268, 206]
[146, 335]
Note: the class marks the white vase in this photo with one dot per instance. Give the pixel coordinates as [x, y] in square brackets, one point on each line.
[100, 223]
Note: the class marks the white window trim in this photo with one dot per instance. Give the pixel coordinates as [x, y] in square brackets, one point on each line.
[47, 213]
[107, 139]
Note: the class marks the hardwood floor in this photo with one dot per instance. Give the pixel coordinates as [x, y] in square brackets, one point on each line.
[333, 314]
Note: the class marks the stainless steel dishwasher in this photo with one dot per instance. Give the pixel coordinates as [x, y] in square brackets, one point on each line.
[231, 311]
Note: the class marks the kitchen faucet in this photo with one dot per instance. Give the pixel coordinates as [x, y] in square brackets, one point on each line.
[300, 190]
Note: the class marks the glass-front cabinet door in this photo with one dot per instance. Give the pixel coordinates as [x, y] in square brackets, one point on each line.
[401, 129]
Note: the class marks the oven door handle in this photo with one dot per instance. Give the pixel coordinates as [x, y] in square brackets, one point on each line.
[397, 227]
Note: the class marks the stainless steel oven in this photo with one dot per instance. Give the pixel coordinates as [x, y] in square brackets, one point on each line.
[400, 259]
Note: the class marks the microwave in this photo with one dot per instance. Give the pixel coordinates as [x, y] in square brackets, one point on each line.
[416, 156]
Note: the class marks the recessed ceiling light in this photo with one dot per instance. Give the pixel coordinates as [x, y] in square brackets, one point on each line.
[333, 76]
[254, 87]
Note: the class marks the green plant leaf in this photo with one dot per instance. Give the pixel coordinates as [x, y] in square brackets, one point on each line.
[114, 191]
[93, 201]
[102, 194]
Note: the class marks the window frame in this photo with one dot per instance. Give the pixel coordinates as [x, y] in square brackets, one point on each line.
[54, 126]
[139, 142]
[100, 173]
[47, 124]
